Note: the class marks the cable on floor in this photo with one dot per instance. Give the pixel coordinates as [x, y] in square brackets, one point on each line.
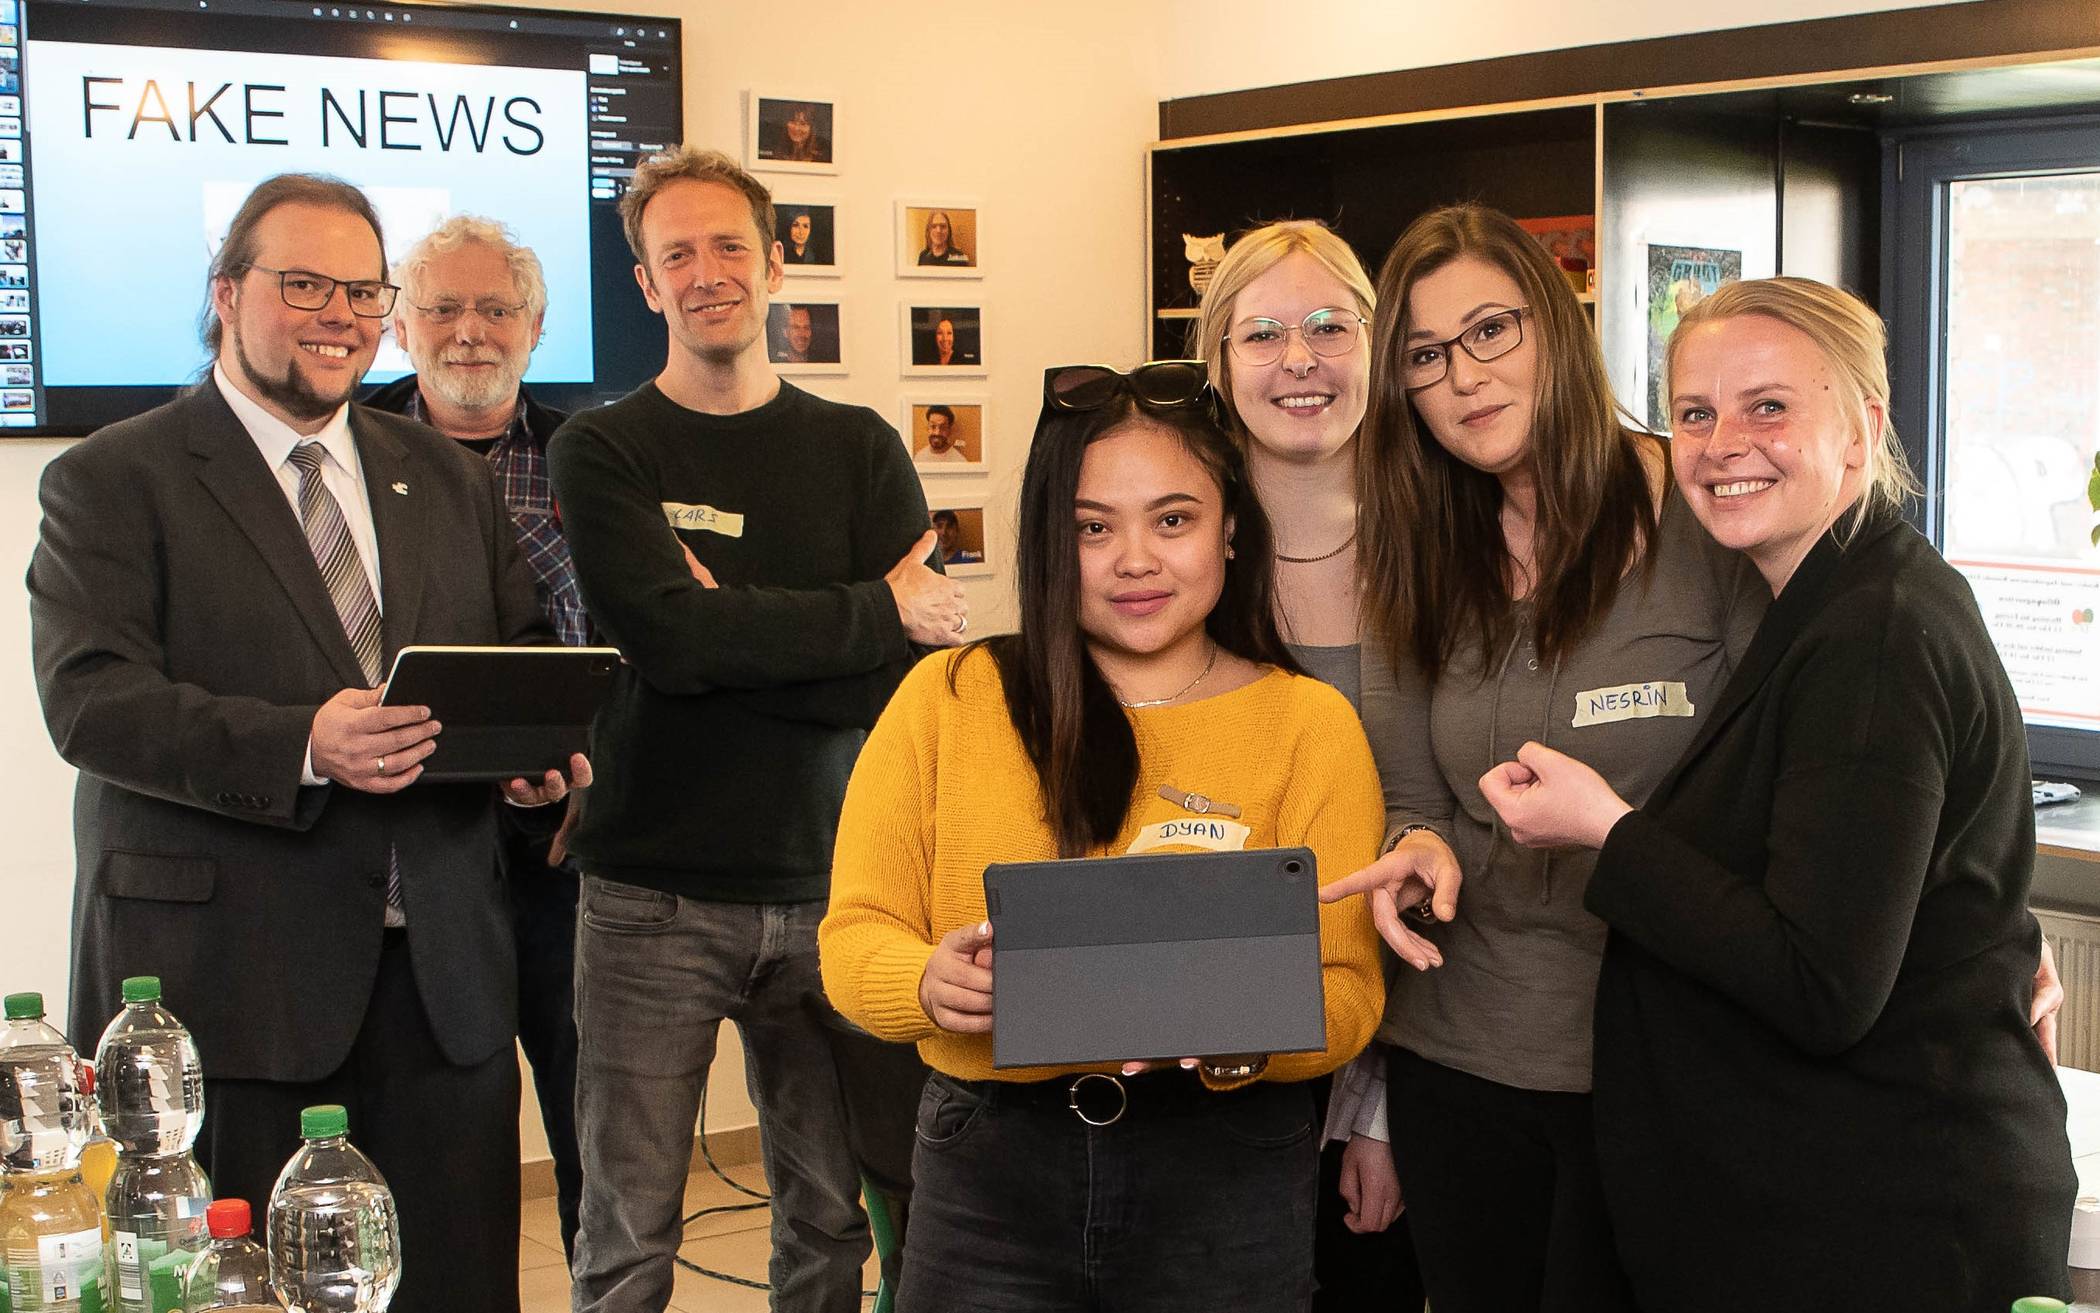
[761, 1199]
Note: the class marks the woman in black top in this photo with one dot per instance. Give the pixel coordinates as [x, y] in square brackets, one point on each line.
[1815, 1081]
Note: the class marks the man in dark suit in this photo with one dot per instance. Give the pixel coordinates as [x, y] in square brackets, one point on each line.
[219, 584]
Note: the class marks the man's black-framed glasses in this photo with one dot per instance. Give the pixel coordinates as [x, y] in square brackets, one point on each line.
[1425, 363]
[1331, 331]
[1156, 384]
[303, 289]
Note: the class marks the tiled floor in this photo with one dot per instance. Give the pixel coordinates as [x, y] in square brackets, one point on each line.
[727, 1242]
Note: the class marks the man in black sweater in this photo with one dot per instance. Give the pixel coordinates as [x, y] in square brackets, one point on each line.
[470, 311]
[757, 554]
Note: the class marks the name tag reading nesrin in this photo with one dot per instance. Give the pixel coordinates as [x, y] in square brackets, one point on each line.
[1660, 697]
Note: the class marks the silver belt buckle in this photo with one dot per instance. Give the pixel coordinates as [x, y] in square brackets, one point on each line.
[1122, 1097]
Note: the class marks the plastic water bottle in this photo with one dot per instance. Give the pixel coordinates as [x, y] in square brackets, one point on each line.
[50, 1221]
[47, 1111]
[151, 1088]
[156, 1206]
[234, 1274]
[335, 1241]
[147, 1076]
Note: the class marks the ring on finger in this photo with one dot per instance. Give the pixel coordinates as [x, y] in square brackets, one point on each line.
[382, 765]
[962, 622]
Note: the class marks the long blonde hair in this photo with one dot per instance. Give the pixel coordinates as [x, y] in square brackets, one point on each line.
[1250, 257]
[1852, 339]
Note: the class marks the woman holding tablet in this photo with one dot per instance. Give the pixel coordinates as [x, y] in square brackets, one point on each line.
[1147, 686]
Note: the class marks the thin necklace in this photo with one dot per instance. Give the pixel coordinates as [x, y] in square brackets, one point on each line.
[1160, 702]
[1323, 556]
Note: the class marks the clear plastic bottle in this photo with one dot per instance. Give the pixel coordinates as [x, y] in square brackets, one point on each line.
[50, 1244]
[234, 1274]
[147, 1076]
[335, 1242]
[50, 1221]
[151, 1089]
[47, 1111]
[157, 1226]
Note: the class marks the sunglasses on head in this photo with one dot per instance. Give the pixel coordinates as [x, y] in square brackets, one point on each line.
[1156, 384]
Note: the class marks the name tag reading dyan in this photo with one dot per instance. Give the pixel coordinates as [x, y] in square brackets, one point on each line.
[730, 524]
[1206, 832]
[1660, 697]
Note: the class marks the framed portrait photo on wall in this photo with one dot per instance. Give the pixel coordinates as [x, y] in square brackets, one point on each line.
[790, 133]
[942, 340]
[804, 335]
[938, 239]
[965, 548]
[948, 433]
[807, 231]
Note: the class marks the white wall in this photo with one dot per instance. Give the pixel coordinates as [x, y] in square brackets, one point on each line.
[1040, 113]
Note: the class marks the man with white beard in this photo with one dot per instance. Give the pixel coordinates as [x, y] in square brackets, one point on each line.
[469, 314]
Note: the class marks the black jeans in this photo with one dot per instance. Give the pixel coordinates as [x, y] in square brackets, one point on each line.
[1502, 1194]
[1192, 1200]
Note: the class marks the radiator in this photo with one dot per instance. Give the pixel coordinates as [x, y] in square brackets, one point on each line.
[2076, 941]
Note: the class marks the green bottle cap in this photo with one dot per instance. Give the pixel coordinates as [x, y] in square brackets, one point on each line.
[324, 1122]
[2039, 1304]
[141, 989]
[25, 1007]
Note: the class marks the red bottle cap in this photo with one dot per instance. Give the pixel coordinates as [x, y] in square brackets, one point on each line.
[227, 1218]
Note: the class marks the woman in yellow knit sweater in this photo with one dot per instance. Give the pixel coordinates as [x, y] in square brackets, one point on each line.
[1148, 667]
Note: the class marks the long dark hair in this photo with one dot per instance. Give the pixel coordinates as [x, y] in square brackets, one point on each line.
[1071, 725]
[1433, 559]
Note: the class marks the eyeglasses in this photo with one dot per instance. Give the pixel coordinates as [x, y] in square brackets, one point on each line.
[303, 289]
[1156, 384]
[1425, 364]
[1328, 332]
[493, 313]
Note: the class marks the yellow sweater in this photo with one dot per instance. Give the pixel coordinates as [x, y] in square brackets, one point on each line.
[944, 788]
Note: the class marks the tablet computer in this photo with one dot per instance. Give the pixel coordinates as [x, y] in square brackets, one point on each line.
[506, 711]
[1157, 956]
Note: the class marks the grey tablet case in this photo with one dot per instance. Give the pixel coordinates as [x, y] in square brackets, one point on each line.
[506, 711]
[1167, 955]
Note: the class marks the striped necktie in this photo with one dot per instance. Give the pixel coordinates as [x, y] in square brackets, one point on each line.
[328, 533]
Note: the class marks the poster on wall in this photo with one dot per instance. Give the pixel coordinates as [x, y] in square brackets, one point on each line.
[1679, 277]
[937, 239]
[790, 133]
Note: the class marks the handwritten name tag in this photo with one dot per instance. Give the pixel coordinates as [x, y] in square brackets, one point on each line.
[1216, 835]
[682, 515]
[1656, 697]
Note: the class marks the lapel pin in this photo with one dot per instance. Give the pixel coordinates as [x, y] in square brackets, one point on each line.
[401, 488]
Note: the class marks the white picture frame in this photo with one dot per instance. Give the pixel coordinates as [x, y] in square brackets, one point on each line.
[913, 238]
[827, 341]
[826, 224]
[919, 334]
[971, 431]
[974, 536]
[768, 139]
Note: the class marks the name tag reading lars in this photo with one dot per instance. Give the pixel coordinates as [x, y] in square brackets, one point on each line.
[730, 524]
[1657, 697]
[1205, 832]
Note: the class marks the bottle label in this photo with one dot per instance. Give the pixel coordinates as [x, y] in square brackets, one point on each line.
[62, 1267]
[131, 1281]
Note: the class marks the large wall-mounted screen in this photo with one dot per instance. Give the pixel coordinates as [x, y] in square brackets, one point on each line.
[130, 130]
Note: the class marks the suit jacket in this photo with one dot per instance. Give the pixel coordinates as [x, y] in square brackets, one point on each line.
[1815, 1082]
[184, 641]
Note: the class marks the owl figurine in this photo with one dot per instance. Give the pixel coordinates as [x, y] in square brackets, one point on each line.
[1203, 255]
